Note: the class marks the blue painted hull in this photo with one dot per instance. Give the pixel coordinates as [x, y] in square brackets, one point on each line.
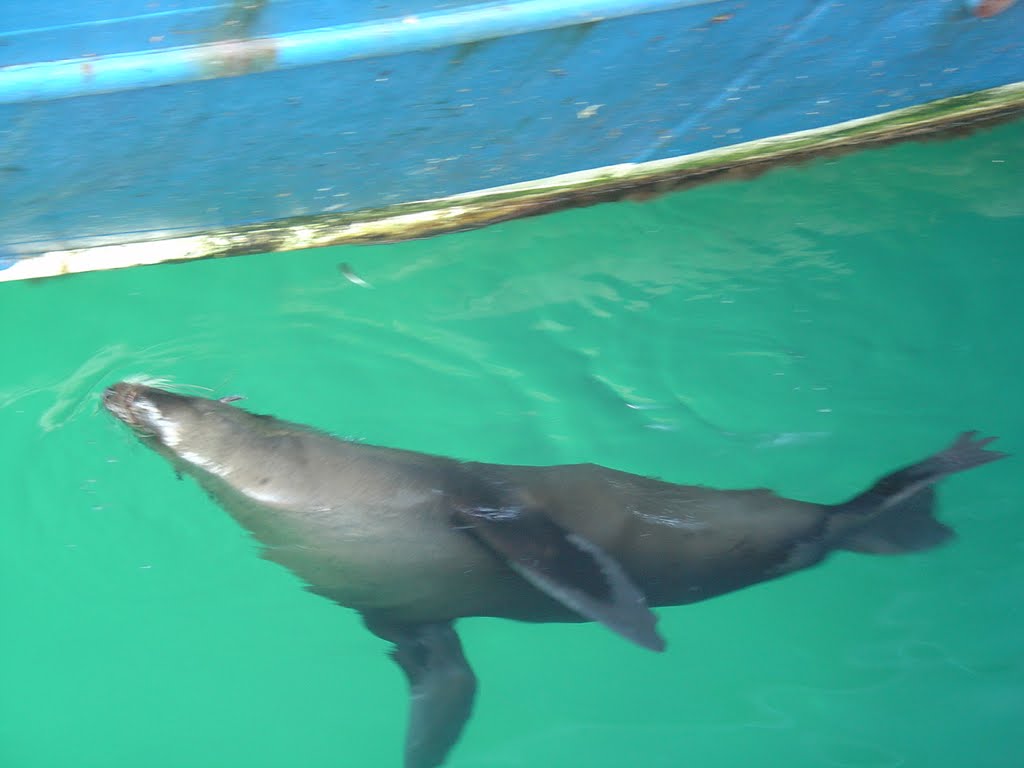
[120, 122]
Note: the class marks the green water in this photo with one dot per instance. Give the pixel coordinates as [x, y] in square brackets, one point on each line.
[805, 332]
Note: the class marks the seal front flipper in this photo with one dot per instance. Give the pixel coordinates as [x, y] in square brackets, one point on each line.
[441, 687]
[565, 566]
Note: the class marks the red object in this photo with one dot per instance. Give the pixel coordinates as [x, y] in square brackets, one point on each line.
[988, 8]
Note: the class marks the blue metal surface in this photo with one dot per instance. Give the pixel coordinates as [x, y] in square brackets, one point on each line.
[129, 124]
[83, 76]
[33, 31]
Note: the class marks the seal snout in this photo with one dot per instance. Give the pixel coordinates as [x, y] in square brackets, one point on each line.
[118, 400]
[154, 414]
[129, 403]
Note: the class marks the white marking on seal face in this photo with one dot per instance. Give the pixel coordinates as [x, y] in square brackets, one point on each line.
[167, 429]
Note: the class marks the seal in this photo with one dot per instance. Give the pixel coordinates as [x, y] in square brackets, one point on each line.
[414, 542]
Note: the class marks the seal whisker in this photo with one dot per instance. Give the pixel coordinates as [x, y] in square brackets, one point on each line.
[165, 383]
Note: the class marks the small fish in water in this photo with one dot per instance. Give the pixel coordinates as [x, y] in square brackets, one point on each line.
[352, 277]
[232, 398]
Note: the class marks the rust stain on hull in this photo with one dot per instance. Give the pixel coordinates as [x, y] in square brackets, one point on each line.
[233, 58]
[231, 50]
[986, 9]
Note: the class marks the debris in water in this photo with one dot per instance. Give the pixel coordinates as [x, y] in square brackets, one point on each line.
[352, 277]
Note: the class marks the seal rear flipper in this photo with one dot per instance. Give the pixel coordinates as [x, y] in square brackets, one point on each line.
[441, 687]
[567, 567]
[895, 515]
[906, 527]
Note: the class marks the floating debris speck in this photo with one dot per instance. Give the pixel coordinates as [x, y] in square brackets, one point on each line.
[352, 277]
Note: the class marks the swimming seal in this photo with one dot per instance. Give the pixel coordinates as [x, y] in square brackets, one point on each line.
[414, 542]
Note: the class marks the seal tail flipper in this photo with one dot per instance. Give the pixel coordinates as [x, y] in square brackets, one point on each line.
[895, 515]
[441, 687]
[908, 526]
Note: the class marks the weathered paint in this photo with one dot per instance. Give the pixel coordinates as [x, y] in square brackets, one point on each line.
[249, 121]
[477, 209]
[235, 38]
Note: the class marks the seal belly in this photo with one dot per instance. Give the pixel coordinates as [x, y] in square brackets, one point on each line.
[395, 553]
